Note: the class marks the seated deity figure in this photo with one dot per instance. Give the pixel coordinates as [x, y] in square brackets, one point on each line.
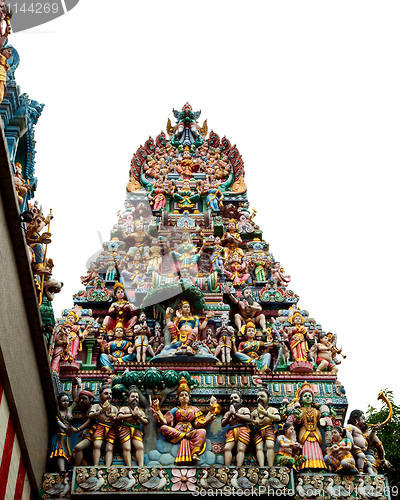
[185, 198]
[185, 424]
[339, 456]
[214, 196]
[289, 448]
[254, 351]
[120, 311]
[184, 328]
[187, 166]
[36, 242]
[235, 269]
[118, 350]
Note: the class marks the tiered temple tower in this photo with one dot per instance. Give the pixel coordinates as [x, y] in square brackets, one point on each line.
[202, 370]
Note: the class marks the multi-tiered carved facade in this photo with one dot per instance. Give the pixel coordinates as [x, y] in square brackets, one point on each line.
[191, 365]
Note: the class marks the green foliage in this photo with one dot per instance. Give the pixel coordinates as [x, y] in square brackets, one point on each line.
[152, 378]
[390, 436]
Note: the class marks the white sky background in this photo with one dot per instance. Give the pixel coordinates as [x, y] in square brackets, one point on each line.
[309, 91]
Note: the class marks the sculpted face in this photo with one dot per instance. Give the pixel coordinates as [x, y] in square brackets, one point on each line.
[247, 293]
[64, 402]
[217, 240]
[83, 400]
[184, 397]
[137, 257]
[186, 309]
[307, 398]
[119, 293]
[235, 398]
[142, 317]
[106, 395]
[186, 186]
[362, 422]
[224, 319]
[250, 332]
[290, 431]
[297, 320]
[231, 227]
[263, 398]
[133, 398]
[335, 436]
[119, 332]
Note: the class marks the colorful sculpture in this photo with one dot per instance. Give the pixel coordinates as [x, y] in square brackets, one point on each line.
[339, 457]
[263, 420]
[308, 417]
[118, 350]
[289, 448]
[121, 311]
[60, 446]
[106, 427]
[129, 434]
[185, 424]
[298, 338]
[238, 418]
[185, 198]
[249, 309]
[254, 351]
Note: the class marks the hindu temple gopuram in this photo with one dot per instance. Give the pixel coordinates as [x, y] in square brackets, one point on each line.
[185, 364]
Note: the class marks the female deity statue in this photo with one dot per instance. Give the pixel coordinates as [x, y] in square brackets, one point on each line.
[60, 445]
[186, 198]
[187, 167]
[185, 424]
[310, 437]
[339, 456]
[214, 197]
[252, 350]
[236, 270]
[184, 329]
[231, 238]
[298, 335]
[121, 310]
[289, 448]
[134, 275]
[157, 197]
[119, 350]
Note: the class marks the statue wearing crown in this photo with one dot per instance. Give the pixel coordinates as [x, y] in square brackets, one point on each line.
[187, 166]
[184, 328]
[185, 424]
[121, 310]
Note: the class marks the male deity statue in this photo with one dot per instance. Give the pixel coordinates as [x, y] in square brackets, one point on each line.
[249, 309]
[364, 440]
[238, 418]
[129, 434]
[106, 428]
[263, 419]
